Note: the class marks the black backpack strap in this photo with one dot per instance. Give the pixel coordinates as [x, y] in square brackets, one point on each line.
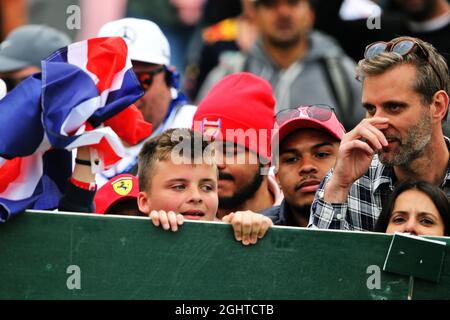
[246, 65]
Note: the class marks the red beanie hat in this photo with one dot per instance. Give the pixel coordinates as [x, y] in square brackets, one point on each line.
[240, 109]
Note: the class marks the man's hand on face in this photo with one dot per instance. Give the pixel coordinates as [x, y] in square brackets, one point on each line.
[355, 154]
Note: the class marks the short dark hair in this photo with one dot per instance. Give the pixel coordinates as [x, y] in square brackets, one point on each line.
[436, 195]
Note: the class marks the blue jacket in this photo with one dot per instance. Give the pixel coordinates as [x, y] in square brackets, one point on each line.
[281, 215]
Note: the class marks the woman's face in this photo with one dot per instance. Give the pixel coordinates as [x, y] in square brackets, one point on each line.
[415, 213]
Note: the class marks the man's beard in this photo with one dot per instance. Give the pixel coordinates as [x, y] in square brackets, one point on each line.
[242, 194]
[284, 43]
[412, 147]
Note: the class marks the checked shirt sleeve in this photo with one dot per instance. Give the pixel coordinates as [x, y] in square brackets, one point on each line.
[328, 215]
[360, 211]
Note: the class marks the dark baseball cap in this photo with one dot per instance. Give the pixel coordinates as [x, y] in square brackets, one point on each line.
[28, 45]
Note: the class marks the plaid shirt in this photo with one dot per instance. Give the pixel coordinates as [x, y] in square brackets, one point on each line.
[365, 200]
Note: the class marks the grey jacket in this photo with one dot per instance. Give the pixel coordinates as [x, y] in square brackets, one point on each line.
[315, 79]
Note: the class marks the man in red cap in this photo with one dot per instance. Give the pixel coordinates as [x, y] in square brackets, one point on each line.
[238, 114]
[304, 149]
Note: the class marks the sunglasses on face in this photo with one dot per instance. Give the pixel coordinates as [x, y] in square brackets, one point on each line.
[145, 78]
[320, 112]
[403, 48]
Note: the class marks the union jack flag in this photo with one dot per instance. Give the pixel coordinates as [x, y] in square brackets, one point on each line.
[83, 97]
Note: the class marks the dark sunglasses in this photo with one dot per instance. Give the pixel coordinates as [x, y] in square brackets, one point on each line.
[320, 112]
[403, 48]
[145, 78]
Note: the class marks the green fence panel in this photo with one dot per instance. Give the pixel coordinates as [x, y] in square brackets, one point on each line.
[50, 255]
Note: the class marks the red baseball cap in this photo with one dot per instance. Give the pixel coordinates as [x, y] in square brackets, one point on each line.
[320, 117]
[119, 188]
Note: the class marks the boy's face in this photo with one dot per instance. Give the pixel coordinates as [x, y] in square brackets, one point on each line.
[188, 189]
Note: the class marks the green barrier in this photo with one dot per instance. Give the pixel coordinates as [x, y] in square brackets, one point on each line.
[47, 255]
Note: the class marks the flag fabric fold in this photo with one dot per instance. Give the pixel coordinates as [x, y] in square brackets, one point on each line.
[83, 97]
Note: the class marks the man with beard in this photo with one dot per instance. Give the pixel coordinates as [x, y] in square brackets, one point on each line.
[405, 94]
[303, 66]
[238, 114]
[304, 149]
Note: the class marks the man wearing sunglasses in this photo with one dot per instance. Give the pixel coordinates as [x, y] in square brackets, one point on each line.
[303, 65]
[405, 94]
[24, 48]
[304, 148]
[163, 105]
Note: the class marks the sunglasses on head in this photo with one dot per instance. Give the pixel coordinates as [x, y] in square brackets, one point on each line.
[403, 48]
[145, 78]
[320, 112]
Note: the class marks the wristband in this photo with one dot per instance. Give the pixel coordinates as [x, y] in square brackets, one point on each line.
[91, 186]
[83, 162]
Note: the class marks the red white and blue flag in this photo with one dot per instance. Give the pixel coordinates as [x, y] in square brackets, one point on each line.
[83, 97]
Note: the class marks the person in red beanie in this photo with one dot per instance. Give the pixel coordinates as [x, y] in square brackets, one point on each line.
[238, 114]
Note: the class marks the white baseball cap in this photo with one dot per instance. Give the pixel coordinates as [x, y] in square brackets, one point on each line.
[145, 40]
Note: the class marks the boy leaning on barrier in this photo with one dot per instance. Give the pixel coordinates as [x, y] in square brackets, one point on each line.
[178, 180]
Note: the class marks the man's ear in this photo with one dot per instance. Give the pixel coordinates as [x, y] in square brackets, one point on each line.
[439, 105]
[144, 203]
[278, 179]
